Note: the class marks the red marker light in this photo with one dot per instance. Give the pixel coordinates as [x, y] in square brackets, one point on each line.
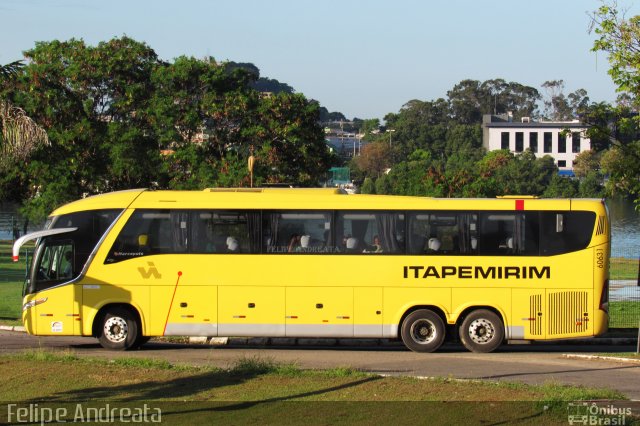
[519, 204]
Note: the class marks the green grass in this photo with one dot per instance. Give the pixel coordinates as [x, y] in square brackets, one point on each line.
[624, 314]
[630, 355]
[260, 389]
[623, 269]
[11, 281]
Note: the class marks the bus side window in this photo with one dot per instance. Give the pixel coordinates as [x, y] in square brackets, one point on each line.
[467, 233]
[451, 232]
[505, 233]
[146, 232]
[291, 231]
[564, 232]
[497, 228]
[369, 232]
[419, 232]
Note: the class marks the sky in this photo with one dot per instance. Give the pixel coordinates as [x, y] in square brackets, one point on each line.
[364, 58]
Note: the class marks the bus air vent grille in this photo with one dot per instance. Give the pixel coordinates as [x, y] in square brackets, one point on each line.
[602, 225]
[566, 312]
[535, 317]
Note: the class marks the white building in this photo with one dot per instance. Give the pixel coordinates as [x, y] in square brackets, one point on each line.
[562, 140]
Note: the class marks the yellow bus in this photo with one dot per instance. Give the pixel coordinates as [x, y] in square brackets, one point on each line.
[129, 265]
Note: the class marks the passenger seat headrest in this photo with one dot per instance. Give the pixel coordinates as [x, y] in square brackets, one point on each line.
[352, 243]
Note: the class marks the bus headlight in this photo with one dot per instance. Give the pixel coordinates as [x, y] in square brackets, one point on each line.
[33, 303]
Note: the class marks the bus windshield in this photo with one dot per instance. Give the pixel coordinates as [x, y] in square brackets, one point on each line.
[61, 258]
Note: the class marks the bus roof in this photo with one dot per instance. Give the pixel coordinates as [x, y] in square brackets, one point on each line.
[309, 199]
[110, 200]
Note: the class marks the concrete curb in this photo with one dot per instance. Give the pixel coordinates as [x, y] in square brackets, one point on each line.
[304, 341]
[290, 341]
[13, 328]
[613, 341]
[602, 357]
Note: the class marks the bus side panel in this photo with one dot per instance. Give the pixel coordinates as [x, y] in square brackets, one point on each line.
[319, 312]
[58, 314]
[29, 317]
[528, 319]
[397, 301]
[95, 296]
[193, 310]
[251, 311]
[160, 297]
[569, 304]
[600, 277]
[367, 312]
[497, 298]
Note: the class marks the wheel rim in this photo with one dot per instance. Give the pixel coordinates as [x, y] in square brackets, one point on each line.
[115, 329]
[481, 331]
[423, 331]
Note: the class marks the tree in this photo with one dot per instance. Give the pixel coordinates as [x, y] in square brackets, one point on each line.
[289, 140]
[502, 173]
[21, 136]
[110, 110]
[585, 163]
[591, 185]
[560, 107]
[471, 99]
[410, 177]
[368, 126]
[368, 187]
[374, 159]
[619, 37]
[383, 185]
[489, 182]
[93, 102]
[326, 116]
[419, 125]
[623, 169]
[561, 187]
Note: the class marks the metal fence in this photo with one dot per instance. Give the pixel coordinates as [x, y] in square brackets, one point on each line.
[624, 291]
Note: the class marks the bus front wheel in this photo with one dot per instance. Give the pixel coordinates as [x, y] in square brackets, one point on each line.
[423, 331]
[482, 331]
[120, 330]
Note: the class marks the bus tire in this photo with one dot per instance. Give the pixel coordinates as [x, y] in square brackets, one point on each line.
[482, 331]
[423, 331]
[119, 329]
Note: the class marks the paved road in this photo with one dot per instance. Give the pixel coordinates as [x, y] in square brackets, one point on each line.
[534, 364]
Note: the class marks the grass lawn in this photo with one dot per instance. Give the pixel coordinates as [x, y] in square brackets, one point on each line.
[623, 269]
[11, 281]
[630, 355]
[624, 314]
[259, 390]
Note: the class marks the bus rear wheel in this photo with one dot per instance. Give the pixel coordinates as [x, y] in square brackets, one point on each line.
[120, 330]
[423, 331]
[482, 331]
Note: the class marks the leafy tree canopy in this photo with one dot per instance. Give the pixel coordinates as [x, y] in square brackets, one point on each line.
[119, 117]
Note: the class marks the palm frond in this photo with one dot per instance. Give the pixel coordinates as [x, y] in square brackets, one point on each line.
[20, 134]
[10, 70]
